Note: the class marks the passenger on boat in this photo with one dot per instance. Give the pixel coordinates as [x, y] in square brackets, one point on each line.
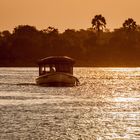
[52, 69]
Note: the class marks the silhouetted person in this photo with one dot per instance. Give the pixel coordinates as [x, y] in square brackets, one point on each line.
[52, 69]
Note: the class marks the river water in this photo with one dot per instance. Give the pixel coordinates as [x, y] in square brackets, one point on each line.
[105, 106]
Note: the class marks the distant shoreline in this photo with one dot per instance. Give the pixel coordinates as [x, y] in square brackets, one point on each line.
[78, 66]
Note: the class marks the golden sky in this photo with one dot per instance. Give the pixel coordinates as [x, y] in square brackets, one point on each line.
[64, 14]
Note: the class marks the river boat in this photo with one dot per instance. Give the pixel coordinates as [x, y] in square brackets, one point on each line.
[56, 71]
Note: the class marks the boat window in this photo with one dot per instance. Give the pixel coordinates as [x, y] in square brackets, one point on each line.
[63, 68]
[59, 67]
[44, 70]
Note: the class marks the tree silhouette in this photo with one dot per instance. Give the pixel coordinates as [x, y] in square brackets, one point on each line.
[130, 24]
[5, 34]
[24, 30]
[98, 23]
[51, 31]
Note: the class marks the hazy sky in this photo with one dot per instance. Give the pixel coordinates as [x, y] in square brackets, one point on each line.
[64, 14]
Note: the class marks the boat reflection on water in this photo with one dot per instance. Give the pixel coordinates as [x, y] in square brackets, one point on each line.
[56, 71]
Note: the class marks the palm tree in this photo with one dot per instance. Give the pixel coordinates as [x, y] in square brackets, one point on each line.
[98, 23]
[130, 24]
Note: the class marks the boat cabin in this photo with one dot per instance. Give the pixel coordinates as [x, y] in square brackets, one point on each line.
[56, 64]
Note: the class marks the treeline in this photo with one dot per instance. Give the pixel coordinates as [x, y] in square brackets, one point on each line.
[95, 46]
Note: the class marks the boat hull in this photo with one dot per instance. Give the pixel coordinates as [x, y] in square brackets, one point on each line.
[57, 79]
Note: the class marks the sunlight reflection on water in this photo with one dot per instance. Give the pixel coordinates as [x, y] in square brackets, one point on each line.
[105, 106]
[120, 99]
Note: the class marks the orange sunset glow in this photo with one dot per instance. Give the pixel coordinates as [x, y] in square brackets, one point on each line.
[69, 69]
[64, 14]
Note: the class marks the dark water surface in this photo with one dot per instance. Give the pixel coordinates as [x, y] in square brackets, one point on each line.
[106, 106]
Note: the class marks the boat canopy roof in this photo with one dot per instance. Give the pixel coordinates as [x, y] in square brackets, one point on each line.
[56, 60]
